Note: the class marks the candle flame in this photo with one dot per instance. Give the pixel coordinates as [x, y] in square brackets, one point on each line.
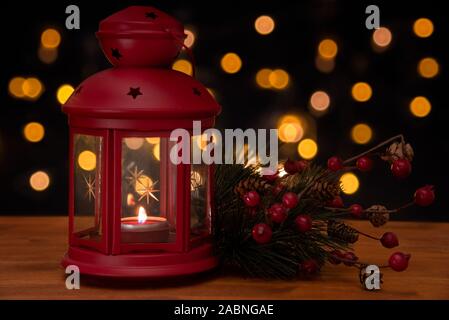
[142, 215]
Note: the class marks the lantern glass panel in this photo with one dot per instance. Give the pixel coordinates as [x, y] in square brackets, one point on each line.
[148, 207]
[88, 155]
[199, 199]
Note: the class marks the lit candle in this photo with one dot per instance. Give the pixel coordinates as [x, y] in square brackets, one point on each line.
[144, 228]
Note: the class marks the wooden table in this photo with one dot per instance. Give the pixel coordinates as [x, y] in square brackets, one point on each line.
[31, 249]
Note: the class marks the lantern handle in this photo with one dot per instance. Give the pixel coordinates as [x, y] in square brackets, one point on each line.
[188, 50]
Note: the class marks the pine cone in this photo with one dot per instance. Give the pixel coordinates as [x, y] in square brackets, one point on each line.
[324, 191]
[398, 150]
[252, 183]
[340, 230]
[378, 215]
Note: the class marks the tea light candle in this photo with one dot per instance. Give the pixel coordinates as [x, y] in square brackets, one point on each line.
[143, 228]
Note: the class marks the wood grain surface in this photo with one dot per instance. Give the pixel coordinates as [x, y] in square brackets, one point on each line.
[31, 249]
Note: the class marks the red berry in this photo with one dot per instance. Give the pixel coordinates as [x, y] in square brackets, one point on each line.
[269, 174]
[350, 257]
[399, 261]
[303, 223]
[301, 165]
[262, 233]
[356, 210]
[290, 200]
[335, 256]
[401, 168]
[290, 166]
[277, 213]
[251, 199]
[424, 196]
[334, 163]
[389, 240]
[278, 188]
[309, 266]
[364, 163]
[336, 202]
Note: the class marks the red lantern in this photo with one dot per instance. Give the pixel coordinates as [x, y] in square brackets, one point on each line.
[133, 213]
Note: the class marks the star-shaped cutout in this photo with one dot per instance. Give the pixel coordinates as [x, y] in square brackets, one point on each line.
[90, 185]
[78, 90]
[151, 15]
[134, 92]
[116, 53]
[196, 91]
[134, 176]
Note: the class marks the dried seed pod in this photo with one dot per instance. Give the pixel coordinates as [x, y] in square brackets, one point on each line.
[398, 150]
[378, 215]
[340, 230]
[252, 184]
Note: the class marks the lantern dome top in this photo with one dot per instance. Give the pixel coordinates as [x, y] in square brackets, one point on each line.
[141, 36]
[142, 93]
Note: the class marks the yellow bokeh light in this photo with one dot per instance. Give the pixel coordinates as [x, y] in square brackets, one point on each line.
[262, 78]
[32, 88]
[290, 132]
[190, 39]
[279, 79]
[420, 107]
[47, 55]
[153, 140]
[87, 160]
[328, 48]
[183, 66]
[320, 101]
[324, 65]
[423, 27]
[15, 87]
[39, 181]
[64, 92]
[307, 149]
[361, 133]
[361, 91]
[231, 63]
[428, 68]
[143, 183]
[157, 151]
[382, 37]
[34, 132]
[349, 183]
[134, 143]
[264, 25]
[50, 38]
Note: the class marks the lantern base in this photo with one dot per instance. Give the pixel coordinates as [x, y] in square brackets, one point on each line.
[142, 265]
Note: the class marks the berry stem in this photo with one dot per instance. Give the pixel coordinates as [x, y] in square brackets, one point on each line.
[400, 136]
[367, 235]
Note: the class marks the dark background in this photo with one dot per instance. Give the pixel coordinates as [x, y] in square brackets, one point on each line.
[224, 26]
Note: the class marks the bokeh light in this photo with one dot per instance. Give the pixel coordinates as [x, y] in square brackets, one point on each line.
[190, 39]
[361, 91]
[39, 181]
[279, 79]
[15, 87]
[184, 66]
[262, 78]
[87, 160]
[143, 183]
[64, 92]
[32, 88]
[361, 133]
[50, 38]
[428, 67]
[231, 63]
[153, 140]
[290, 132]
[307, 149]
[420, 107]
[134, 143]
[324, 65]
[423, 27]
[34, 132]
[264, 25]
[320, 101]
[382, 37]
[157, 151]
[328, 49]
[349, 183]
[47, 55]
